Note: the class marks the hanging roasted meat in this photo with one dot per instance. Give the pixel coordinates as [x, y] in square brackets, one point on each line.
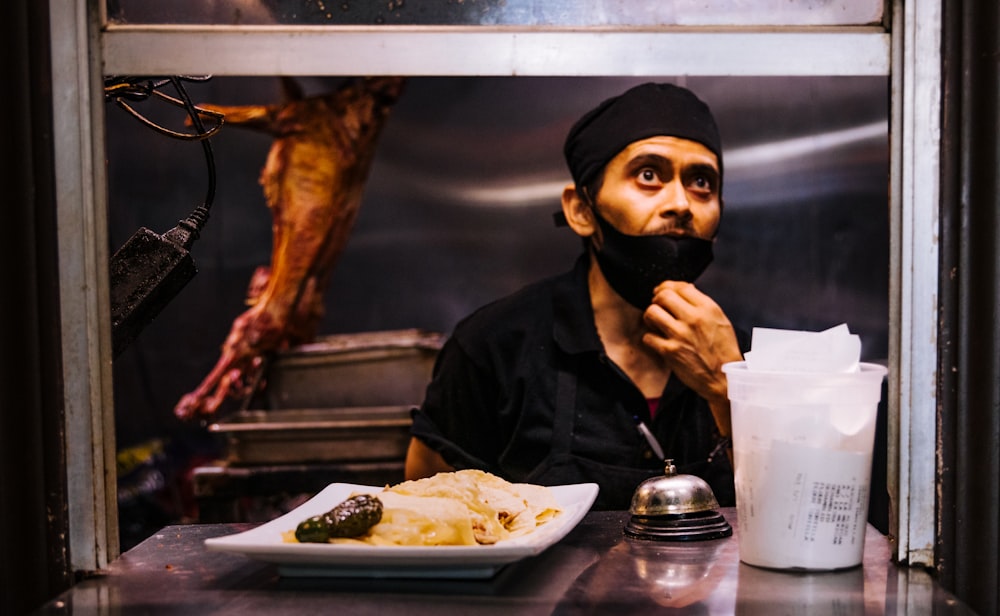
[313, 182]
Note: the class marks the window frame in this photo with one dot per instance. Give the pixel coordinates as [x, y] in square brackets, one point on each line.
[85, 48]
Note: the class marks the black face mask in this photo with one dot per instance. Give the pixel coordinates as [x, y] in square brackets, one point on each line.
[635, 264]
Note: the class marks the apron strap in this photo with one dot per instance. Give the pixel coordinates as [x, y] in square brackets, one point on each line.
[565, 412]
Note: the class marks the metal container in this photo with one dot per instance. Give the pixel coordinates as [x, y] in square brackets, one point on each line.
[306, 436]
[342, 399]
[383, 368]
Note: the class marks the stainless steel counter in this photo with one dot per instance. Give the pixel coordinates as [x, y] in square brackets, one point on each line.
[594, 570]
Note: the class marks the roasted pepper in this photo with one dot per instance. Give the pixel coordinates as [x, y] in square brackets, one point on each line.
[351, 518]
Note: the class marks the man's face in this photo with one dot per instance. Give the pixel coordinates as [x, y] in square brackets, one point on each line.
[662, 186]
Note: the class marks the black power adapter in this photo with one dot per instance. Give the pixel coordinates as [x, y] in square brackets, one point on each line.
[149, 270]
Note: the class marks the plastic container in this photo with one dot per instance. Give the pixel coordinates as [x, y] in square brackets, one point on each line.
[802, 446]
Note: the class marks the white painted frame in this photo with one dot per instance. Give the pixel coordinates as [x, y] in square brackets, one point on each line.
[83, 51]
[914, 224]
[403, 50]
[81, 213]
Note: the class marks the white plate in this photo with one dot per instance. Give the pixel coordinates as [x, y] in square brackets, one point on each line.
[327, 559]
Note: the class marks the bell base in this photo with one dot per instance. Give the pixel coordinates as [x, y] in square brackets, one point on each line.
[700, 526]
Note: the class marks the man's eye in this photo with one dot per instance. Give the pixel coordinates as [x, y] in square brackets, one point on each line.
[648, 175]
[702, 182]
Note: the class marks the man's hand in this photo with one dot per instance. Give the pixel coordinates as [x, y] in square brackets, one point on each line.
[694, 337]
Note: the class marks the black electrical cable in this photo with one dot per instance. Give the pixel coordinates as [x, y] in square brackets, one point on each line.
[119, 89]
[149, 270]
[141, 89]
[199, 216]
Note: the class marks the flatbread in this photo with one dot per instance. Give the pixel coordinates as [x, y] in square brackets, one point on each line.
[467, 507]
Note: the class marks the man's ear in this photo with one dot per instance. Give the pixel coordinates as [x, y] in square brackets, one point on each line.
[579, 215]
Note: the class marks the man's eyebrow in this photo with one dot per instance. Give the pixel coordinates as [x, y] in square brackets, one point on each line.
[649, 157]
[649, 160]
[705, 168]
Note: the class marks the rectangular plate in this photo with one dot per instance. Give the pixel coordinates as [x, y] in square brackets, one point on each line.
[443, 561]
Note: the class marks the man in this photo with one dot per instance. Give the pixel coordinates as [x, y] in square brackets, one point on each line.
[591, 375]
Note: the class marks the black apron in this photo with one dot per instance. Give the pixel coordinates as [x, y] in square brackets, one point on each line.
[562, 467]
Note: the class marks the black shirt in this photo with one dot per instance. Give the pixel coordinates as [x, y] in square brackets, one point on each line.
[503, 375]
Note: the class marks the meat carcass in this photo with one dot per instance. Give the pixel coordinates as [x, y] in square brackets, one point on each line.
[313, 182]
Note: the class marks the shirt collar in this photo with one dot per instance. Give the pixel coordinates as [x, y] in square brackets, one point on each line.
[573, 328]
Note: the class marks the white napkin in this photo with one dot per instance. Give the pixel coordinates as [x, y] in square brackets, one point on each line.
[784, 350]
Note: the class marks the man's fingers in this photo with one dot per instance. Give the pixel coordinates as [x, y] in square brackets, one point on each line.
[682, 301]
[659, 319]
[684, 290]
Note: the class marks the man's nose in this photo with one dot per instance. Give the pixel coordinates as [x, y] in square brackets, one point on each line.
[675, 198]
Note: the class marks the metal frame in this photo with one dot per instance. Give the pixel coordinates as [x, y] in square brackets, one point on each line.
[81, 210]
[916, 137]
[267, 50]
[83, 53]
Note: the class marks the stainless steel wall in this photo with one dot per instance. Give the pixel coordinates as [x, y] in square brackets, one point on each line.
[499, 12]
[458, 212]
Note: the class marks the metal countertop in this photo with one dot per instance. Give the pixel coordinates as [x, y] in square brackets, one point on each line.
[595, 569]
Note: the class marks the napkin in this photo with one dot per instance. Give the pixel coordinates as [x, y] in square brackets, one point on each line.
[784, 350]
